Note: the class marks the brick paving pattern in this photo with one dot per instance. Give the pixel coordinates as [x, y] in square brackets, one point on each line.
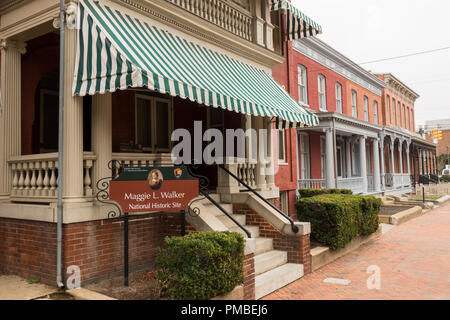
[414, 259]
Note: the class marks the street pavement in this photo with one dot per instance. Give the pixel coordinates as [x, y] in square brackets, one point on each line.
[412, 261]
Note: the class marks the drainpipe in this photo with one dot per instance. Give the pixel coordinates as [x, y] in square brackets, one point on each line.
[59, 280]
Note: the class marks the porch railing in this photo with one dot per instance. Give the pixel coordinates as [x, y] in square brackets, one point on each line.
[312, 184]
[221, 13]
[355, 184]
[397, 180]
[34, 177]
[370, 183]
[247, 172]
[141, 160]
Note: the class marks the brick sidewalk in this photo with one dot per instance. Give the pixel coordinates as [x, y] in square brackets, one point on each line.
[414, 259]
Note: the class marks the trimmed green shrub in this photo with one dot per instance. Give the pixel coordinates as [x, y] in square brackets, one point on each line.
[308, 193]
[445, 178]
[338, 218]
[200, 266]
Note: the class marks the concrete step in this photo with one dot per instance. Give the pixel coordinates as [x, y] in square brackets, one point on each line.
[254, 231]
[229, 223]
[226, 206]
[263, 245]
[277, 278]
[269, 260]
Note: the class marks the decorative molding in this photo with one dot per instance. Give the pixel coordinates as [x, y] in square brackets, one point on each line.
[6, 44]
[328, 57]
[400, 88]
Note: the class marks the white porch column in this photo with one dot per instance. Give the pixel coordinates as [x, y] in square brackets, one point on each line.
[363, 164]
[383, 165]
[392, 156]
[73, 127]
[329, 158]
[376, 166]
[10, 110]
[348, 149]
[260, 165]
[400, 154]
[101, 135]
[270, 170]
[408, 164]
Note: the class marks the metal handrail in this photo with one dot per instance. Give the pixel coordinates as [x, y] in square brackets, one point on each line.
[218, 206]
[293, 226]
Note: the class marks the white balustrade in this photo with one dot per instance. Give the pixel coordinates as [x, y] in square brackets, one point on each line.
[221, 13]
[35, 177]
[355, 184]
[311, 184]
[247, 172]
[370, 183]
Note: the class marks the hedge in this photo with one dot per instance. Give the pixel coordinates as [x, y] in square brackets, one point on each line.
[308, 193]
[445, 178]
[200, 266]
[338, 218]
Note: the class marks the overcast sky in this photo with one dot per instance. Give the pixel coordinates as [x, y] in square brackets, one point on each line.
[367, 30]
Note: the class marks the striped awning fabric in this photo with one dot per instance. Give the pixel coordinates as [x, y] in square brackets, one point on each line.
[298, 25]
[118, 51]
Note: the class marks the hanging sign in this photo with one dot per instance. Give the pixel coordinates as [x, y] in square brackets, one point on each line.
[153, 189]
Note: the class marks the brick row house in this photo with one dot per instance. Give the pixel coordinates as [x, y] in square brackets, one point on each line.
[135, 71]
[366, 139]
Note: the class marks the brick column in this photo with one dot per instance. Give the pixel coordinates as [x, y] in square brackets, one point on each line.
[249, 277]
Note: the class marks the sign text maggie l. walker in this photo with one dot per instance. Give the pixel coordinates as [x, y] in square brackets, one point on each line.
[153, 189]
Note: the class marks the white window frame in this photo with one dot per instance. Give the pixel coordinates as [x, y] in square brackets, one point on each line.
[354, 104]
[366, 108]
[153, 101]
[394, 112]
[305, 156]
[388, 110]
[339, 97]
[302, 84]
[322, 84]
[375, 112]
[282, 160]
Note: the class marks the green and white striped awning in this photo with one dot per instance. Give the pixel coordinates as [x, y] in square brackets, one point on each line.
[118, 51]
[298, 25]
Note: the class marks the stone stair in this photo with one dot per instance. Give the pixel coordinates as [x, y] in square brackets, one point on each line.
[272, 270]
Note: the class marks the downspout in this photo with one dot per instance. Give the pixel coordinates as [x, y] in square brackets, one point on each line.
[59, 280]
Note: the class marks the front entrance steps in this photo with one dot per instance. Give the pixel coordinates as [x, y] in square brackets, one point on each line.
[272, 270]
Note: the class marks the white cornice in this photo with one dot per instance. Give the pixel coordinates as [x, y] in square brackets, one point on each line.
[322, 53]
[394, 84]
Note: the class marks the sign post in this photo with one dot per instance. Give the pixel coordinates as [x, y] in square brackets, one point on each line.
[148, 190]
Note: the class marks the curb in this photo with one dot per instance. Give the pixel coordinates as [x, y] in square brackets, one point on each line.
[405, 216]
[85, 294]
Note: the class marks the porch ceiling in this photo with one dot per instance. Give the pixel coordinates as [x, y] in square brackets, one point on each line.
[117, 51]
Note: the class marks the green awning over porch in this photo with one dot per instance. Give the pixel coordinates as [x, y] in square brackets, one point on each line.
[298, 25]
[117, 51]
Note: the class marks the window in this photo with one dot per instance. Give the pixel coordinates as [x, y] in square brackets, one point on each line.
[405, 125]
[281, 146]
[284, 201]
[375, 112]
[399, 114]
[412, 120]
[366, 108]
[322, 157]
[304, 156]
[355, 160]
[394, 113]
[408, 122]
[388, 110]
[153, 123]
[338, 97]
[354, 104]
[302, 85]
[322, 93]
[340, 159]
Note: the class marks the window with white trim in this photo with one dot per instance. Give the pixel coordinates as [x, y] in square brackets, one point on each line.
[366, 108]
[354, 104]
[322, 93]
[281, 146]
[388, 110]
[375, 112]
[338, 97]
[302, 84]
[305, 164]
[394, 113]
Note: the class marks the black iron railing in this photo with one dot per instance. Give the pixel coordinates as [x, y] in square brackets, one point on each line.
[293, 226]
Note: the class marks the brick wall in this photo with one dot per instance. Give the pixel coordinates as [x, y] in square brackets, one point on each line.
[297, 247]
[28, 248]
[249, 277]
